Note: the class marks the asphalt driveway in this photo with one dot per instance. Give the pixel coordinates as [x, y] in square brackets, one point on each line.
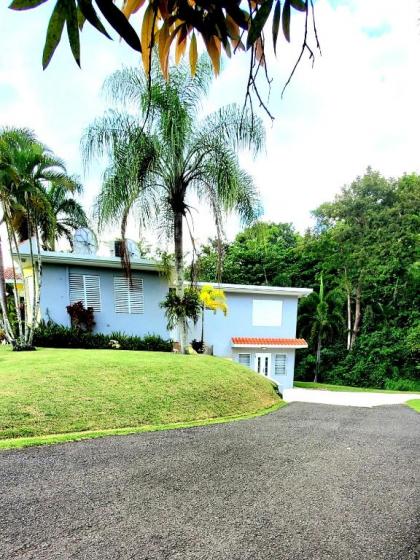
[307, 482]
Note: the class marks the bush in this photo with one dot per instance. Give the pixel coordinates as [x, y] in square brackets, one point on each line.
[81, 317]
[51, 335]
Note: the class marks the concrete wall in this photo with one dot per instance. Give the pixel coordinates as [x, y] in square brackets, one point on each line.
[55, 297]
[218, 329]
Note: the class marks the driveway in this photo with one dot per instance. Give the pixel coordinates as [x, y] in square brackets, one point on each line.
[308, 482]
[321, 396]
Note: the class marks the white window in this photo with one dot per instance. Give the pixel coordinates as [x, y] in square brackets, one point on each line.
[267, 313]
[280, 364]
[244, 359]
[87, 289]
[128, 296]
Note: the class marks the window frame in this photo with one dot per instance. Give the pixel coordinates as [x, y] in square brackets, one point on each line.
[244, 354]
[269, 314]
[85, 289]
[285, 363]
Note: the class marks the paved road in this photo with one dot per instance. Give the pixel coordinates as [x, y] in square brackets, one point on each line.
[308, 482]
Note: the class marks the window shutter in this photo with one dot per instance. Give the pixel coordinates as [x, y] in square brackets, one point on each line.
[128, 296]
[245, 359]
[92, 292]
[280, 364]
[85, 288]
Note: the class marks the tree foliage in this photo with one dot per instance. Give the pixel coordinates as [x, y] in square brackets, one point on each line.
[365, 247]
[174, 25]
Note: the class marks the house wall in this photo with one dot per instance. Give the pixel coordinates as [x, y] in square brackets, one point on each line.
[283, 381]
[218, 329]
[55, 297]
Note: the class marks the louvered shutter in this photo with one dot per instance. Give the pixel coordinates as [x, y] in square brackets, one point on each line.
[128, 296]
[93, 292]
[280, 364]
[245, 359]
[87, 289]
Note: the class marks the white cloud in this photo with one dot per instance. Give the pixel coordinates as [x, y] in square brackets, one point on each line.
[356, 107]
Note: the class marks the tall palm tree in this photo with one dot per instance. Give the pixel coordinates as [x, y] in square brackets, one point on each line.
[183, 153]
[33, 182]
[320, 316]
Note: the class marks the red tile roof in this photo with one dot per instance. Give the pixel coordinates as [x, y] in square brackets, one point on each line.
[8, 274]
[253, 341]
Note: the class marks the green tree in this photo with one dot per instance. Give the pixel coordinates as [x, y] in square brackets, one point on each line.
[29, 173]
[320, 318]
[186, 155]
[263, 254]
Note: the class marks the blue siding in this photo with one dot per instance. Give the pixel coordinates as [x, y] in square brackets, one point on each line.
[55, 297]
[218, 329]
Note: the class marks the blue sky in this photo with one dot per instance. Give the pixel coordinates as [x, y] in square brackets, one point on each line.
[358, 106]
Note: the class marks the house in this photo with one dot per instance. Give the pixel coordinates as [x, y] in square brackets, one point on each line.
[259, 330]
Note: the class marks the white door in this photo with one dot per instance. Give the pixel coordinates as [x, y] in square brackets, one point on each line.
[263, 364]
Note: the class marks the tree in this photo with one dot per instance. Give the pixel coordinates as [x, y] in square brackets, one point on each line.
[263, 254]
[230, 24]
[185, 155]
[320, 317]
[213, 299]
[29, 173]
[66, 214]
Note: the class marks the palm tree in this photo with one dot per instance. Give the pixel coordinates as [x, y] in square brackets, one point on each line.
[67, 214]
[320, 315]
[33, 182]
[184, 154]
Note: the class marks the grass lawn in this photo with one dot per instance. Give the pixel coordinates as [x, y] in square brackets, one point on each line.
[329, 387]
[414, 404]
[58, 395]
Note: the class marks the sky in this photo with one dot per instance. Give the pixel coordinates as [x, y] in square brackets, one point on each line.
[356, 106]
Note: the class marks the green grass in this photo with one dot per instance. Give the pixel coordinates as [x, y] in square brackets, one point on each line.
[414, 404]
[329, 387]
[56, 395]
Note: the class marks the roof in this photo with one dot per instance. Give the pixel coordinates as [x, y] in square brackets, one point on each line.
[252, 341]
[8, 274]
[79, 259]
[266, 290]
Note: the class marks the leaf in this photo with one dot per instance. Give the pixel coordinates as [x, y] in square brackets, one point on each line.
[131, 7]
[233, 28]
[80, 18]
[120, 23]
[299, 5]
[25, 4]
[276, 24]
[258, 22]
[193, 54]
[146, 36]
[181, 44]
[54, 31]
[73, 30]
[286, 20]
[85, 6]
[213, 47]
[239, 16]
[163, 45]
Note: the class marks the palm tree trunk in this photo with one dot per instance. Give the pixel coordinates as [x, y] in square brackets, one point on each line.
[179, 276]
[318, 358]
[3, 302]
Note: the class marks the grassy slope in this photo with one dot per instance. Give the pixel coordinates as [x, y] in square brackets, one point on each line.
[53, 391]
[329, 387]
[414, 404]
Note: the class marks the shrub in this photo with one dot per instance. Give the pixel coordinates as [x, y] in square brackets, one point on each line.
[81, 317]
[51, 335]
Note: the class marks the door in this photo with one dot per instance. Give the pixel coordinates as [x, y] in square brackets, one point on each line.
[263, 364]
